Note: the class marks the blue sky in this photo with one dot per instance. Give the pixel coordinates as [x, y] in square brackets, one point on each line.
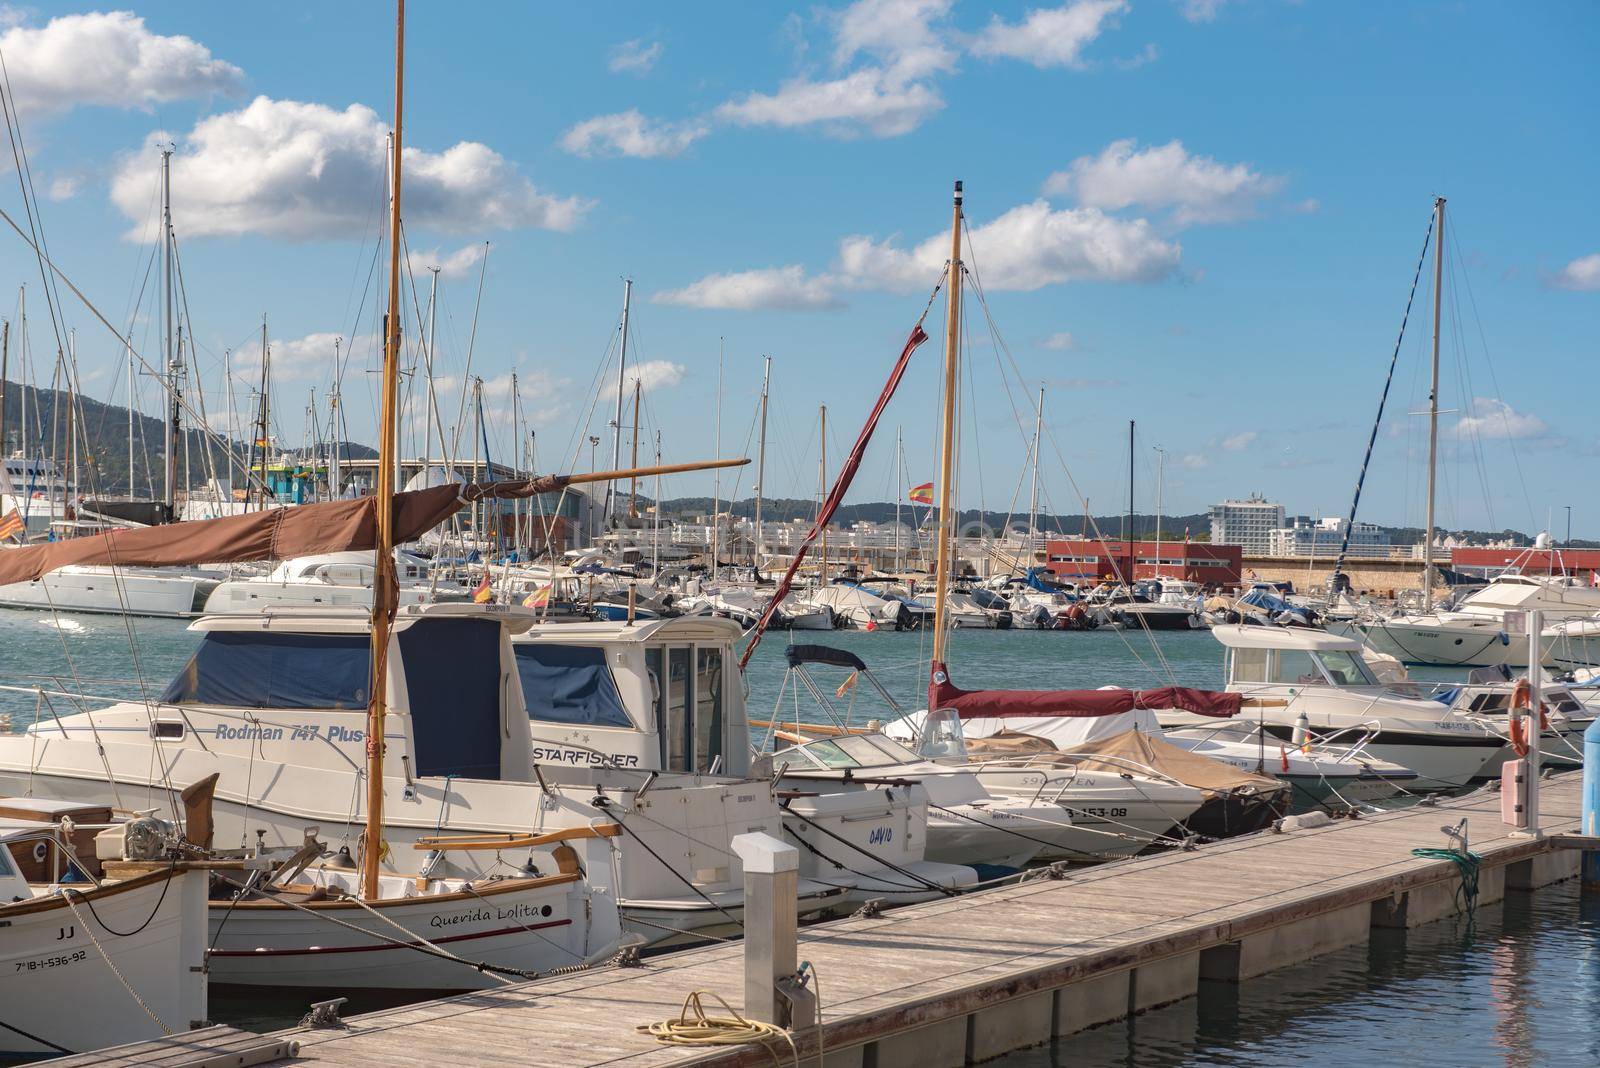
[1200, 215]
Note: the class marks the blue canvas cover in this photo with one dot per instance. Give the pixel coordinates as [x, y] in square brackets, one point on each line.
[452, 671]
[261, 669]
[569, 684]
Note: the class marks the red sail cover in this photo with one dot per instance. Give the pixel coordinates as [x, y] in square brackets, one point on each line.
[976, 704]
[840, 486]
[271, 534]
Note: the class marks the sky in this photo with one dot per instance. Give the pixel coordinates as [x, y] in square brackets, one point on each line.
[1203, 216]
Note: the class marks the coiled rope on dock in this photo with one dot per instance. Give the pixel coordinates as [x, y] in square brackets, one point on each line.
[693, 1026]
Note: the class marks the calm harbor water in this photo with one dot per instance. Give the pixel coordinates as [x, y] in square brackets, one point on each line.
[1516, 991]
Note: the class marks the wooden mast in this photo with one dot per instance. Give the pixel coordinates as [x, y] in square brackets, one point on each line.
[952, 356]
[384, 593]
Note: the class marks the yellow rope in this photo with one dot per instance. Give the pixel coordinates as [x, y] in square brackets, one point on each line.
[693, 1027]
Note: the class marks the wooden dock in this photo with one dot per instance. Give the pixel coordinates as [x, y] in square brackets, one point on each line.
[962, 980]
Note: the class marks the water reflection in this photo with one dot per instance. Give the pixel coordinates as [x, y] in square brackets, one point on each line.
[1520, 990]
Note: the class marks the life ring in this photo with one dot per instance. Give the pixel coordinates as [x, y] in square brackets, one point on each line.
[1521, 698]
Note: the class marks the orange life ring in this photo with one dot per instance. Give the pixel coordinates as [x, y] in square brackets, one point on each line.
[1521, 698]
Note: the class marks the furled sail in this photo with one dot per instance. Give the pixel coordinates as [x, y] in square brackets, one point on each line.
[271, 534]
[999, 704]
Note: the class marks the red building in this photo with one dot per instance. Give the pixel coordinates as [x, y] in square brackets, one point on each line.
[1096, 561]
[1580, 564]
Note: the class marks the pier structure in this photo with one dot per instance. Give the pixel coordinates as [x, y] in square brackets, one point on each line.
[965, 979]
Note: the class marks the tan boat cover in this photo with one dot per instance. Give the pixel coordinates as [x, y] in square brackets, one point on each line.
[272, 534]
[1123, 752]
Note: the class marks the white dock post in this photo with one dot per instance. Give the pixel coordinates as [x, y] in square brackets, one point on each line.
[1535, 716]
[772, 993]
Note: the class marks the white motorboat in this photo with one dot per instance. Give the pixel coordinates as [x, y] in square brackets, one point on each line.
[133, 591]
[856, 605]
[87, 959]
[1479, 632]
[966, 824]
[335, 579]
[1319, 681]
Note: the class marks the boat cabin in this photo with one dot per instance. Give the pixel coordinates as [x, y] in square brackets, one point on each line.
[302, 678]
[659, 695]
[1260, 656]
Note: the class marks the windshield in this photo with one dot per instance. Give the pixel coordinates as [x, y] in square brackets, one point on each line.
[1345, 669]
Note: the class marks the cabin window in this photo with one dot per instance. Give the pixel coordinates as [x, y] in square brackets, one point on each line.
[708, 709]
[255, 669]
[1345, 670]
[1295, 667]
[1249, 665]
[570, 684]
[677, 700]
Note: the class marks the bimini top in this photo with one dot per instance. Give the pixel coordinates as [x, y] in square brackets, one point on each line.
[823, 654]
[1243, 636]
[357, 619]
[675, 629]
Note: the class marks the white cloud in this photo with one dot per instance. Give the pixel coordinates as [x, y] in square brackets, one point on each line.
[1490, 417]
[451, 264]
[1241, 440]
[1198, 189]
[1194, 461]
[296, 359]
[64, 187]
[1028, 247]
[1582, 274]
[1049, 37]
[305, 171]
[109, 59]
[867, 101]
[634, 57]
[628, 133]
[655, 375]
[904, 44]
[770, 287]
[1200, 10]
[1059, 342]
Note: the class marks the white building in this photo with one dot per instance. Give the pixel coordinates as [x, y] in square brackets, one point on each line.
[1304, 536]
[1248, 524]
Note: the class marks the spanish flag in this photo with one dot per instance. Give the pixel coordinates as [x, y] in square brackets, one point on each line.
[483, 594]
[538, 598]
[11, 524]
[922, 494]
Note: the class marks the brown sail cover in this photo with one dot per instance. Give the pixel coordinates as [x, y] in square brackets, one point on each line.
[974, 704]
[273, 534]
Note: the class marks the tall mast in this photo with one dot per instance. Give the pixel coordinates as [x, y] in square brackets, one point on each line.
[518, 461]
[633, 489]
[72, 409]
[1127, 538]
[5, 368]
[952, 358]
[335, 483]
[131, 401]
[716, 483]
[1433, 408]
[899, 490]
[761, 467]
[1033, 492]
[655, 535]
[22, 353]
[616, 423]
[169, 354]
[384, 593]
[822, 492]
[1161, 466]
[433, 396]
